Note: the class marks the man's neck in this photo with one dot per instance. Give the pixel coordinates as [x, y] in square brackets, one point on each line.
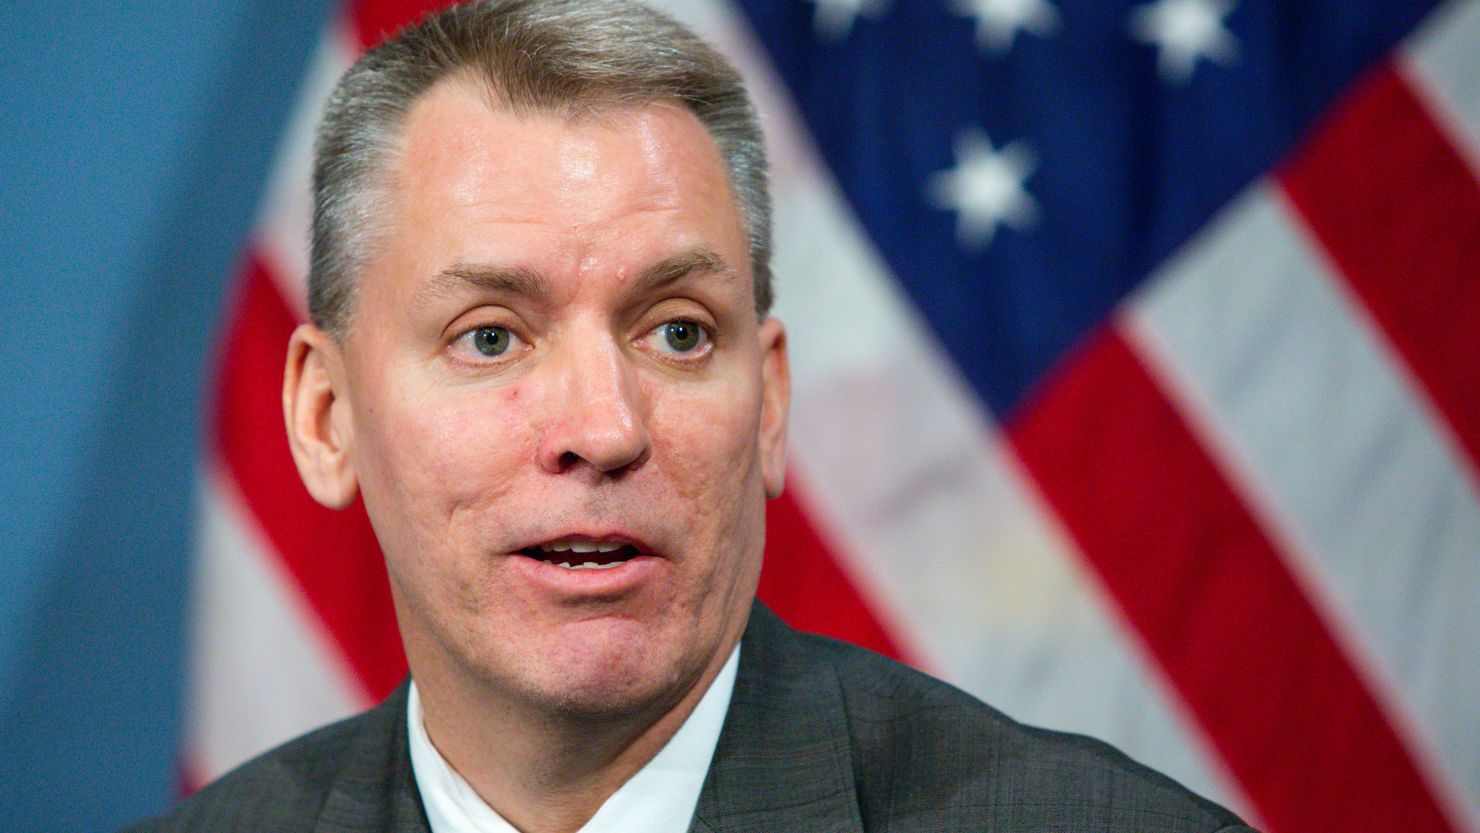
[545, 771]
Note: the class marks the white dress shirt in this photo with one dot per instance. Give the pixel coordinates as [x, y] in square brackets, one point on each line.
[659, 798]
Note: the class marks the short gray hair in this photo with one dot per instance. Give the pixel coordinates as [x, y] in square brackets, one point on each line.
[568, 57]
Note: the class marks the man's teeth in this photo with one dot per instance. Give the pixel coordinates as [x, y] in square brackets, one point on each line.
[581, 546]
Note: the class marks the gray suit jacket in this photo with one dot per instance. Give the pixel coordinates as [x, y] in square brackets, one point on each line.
[821, 737]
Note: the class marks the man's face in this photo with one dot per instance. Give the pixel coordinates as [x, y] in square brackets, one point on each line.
[556, 348]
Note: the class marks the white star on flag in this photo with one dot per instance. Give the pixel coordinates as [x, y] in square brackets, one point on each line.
[1183, 32]
[833, 19]
[985, 189]
[999, 21]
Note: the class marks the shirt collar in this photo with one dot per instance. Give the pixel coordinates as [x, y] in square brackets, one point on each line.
[659, 798]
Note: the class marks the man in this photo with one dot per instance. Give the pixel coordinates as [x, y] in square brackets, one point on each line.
[541, 354]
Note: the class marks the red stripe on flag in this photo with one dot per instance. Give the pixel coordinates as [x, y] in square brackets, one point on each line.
[1397, 209]
[374, 20]
[331, 555]
[803, 581]
[188, 778]
[1198, 579]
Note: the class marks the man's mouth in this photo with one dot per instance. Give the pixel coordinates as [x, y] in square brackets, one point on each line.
[582, 553]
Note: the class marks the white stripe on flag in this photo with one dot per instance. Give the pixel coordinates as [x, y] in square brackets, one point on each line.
[263, 669]
[1443, 66]
[908, 473]
[287, 204]
[1279, 367]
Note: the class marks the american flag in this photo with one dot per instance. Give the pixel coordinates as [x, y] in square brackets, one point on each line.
[1136, 357]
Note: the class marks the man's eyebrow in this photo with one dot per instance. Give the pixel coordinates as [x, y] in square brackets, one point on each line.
[511, 280]
[670, 269]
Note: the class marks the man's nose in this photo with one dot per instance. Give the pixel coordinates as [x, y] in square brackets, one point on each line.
[601, 412]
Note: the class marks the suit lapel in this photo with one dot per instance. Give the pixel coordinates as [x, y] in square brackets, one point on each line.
[783, 761]
[375, 789]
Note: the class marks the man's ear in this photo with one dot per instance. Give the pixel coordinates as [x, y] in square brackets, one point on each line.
[319, 426]
[775, 405]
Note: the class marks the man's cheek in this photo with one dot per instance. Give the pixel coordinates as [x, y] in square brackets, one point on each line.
[705, 440]
[463, 445]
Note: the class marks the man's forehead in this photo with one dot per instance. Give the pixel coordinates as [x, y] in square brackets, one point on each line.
[485, 197]
[458, 119]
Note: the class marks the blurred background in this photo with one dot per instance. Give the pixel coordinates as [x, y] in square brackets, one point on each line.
[1136, 351]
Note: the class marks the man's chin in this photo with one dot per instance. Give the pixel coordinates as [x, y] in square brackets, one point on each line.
[608, 671]
[606, 693]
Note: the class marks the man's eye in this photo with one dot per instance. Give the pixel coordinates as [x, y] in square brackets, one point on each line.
[680, 336]
[490, 342]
